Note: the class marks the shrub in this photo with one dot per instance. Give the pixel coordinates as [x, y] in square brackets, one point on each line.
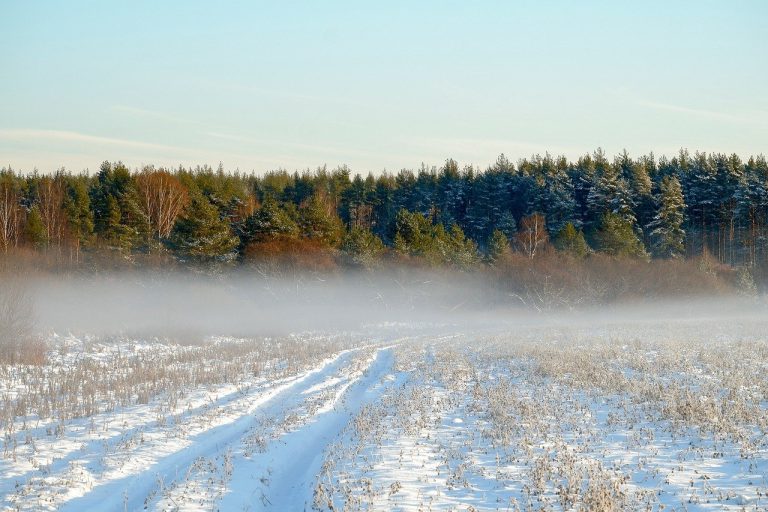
[18, 344]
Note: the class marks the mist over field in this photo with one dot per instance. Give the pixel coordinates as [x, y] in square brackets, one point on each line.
[387, 390]
[247, 304]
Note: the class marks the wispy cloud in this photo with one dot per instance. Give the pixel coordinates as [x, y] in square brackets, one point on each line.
[483, 149]
[52, 149]
[286, 94]
[688, 110]
[699, 112]
[313, 148]
[36, 135]
[153, 114]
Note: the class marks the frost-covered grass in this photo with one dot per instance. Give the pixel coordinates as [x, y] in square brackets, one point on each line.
[617, 416]
[562, 420]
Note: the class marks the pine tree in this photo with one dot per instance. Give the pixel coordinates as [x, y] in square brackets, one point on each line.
[201, 235]
[666, 229]
[118, 216]
[414, 234]
[268, 222]
[317, 223]
[362, 247]
[610, 193]
[455, 248]
[452, 188]
[507, 225]
[490, 197]
[752, 206]
[571, 241]
[582, 176]
[498, 246]
[554, 194]
[702, 192]
[617, 237]
[116, 234]
[35, 229]
[77, 207]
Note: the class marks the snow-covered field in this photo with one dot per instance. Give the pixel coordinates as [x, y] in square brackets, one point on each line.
[644, 416]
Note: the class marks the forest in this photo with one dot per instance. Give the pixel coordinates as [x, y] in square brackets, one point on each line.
[707, 208]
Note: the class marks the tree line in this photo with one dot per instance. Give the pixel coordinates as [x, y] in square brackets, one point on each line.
[642, 208]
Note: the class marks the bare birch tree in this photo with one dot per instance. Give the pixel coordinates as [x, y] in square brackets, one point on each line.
[532, 234]
[10, 216]
[163, 198]
[50, 197]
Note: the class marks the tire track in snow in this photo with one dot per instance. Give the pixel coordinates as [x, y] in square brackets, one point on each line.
[295, 460]
[130, 491]
[143, 417]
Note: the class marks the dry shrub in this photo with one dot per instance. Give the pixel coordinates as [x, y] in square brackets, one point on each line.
[289, 254]
[554, 279]
[23, 260]
[18, 343]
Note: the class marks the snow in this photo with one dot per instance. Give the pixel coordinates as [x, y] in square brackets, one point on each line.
[407, 422]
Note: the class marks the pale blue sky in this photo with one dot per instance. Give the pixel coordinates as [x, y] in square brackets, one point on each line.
[384, 85]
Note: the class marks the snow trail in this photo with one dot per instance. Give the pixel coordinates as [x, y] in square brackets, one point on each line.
[294, 462]
[159, 466]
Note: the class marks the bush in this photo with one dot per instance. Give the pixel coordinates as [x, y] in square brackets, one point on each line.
[284, 253]
[362, 248]
[556, 279]
[18, 344]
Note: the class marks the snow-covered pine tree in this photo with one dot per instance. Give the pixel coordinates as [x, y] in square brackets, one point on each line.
[666, 228]
[268, 222]
[610, 193]
[201, 234]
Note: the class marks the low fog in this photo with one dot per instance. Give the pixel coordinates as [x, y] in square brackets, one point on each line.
[243, 304]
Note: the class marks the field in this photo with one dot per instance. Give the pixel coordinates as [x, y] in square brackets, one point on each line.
[631, 415]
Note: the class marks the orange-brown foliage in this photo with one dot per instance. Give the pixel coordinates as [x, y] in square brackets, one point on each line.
[555, 279]
[291, 254]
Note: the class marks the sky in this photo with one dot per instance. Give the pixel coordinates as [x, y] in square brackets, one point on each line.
[375, 86]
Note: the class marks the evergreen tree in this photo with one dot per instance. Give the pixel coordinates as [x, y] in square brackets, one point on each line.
[413, 234]
[77, 208]
[492, 194]
[702, 192]
[507, 225]
[268, 222]
[201, 235]
[118, 216]
[752, 206]
[571, 241]
[317, 223]
[553, 193]
[582, 175]
[498, 246]
[455, 248]
[116, 234]
[617, 237]
[356, 207]
[452, 187]
[724, 212]
[610, 193]
[666, 229]
[35, 229]
[362, 247]
[384, 211]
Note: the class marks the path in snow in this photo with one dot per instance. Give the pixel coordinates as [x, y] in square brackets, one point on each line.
[293, 461]
[159, 458]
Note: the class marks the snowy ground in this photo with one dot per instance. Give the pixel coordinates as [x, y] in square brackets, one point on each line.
[583, 418]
